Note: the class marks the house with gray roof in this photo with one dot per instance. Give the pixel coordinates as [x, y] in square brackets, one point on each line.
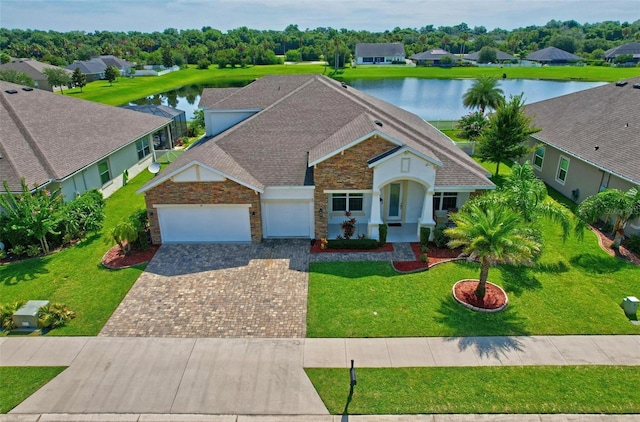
[287, 156]
[501, 56]
[55, 141]
[433, 57]
[590, 141]
[632, 48]
[380, 53]
[34, 69]
[553, 55]
[93, 70]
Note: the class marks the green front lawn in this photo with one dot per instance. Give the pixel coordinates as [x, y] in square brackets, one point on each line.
[524, 389]
[18, 383]
[75, 276]
[575, 289]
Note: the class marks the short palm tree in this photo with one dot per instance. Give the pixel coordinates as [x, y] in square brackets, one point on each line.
[611, 203]
[492, 233]
[484, 93]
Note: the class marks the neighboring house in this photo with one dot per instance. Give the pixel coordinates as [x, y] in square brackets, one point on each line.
[123, 66]
[590, 140]
[379, 53]
[292, 153]
[34, 69]
[433, 57]
[94, 69]
[58, 141]
[553, 55]
[177, 128]
[501, 56]
[632, 48]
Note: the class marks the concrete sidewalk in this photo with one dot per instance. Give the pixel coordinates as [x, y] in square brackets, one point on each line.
[142, 377]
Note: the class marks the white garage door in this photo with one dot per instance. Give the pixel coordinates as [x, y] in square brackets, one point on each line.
[287, 219]
[206, 224]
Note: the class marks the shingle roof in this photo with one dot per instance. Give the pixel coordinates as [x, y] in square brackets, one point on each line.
[111, 60]
[306, 117]
[605, 116]
[500, 55]
[553, 54]
[435, 54]
[33, 68]
[47, 136]
[156, 110]
[89, 67]
[632, 48]
[210, 97]
[379, 49]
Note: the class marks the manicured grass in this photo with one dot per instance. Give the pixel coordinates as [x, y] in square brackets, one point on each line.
[575, 289]
[129, 89]
[75, 276]
[18, 383]
[542, 389]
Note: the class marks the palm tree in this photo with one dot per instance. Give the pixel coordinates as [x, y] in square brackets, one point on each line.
[492, 233]
[612, 203]
[484, 93]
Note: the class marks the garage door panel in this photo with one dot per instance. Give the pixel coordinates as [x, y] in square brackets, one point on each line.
[204, 224]
[287, 219]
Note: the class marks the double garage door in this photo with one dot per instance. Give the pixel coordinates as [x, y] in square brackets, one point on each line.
[204, 224]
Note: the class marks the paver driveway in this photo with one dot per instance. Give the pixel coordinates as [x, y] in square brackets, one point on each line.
[218, 291]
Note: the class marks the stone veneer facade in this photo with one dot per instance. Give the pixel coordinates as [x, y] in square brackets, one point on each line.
[347, 170]
[226, 192]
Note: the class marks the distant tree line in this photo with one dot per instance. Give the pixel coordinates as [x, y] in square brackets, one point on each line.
[244, 46]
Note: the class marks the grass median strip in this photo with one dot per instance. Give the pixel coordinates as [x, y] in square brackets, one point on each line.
[18, 383]
[517, 389]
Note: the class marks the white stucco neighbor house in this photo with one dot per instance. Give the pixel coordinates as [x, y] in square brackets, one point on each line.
[57, 141]
[379, 53]
[288, 155]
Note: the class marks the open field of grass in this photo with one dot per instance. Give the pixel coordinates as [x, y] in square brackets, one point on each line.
[18, 383]
[528, 389]
[129, 89]
[75, 276]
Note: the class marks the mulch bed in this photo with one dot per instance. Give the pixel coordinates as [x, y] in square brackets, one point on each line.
[605, 240]
[494, 297]
[435, 255]
[315, 248]
[115, 259]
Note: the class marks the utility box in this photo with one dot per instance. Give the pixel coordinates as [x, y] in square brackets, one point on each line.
[630, 305]
[27, 316]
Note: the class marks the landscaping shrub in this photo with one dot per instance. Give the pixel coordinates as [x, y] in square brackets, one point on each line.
[440, 238]
[471, 125]
[84, 214]
[633, 243]
[425, 232]
[142, 223]
[382, 231]
[54, 315]
[353, 244]
[6, 315]
[348, 226]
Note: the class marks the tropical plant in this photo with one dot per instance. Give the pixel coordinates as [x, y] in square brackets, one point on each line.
[492, 233]
[484, 93]
[348, 226]
[613, 204]
[440, 238]
[487, 55]
[125, 233]
[471, 125]
[506, 133]
[54, 315]
[6, 315]
[84, 214]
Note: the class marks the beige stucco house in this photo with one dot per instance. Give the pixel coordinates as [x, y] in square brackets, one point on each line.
[34, 69]
[287, 156]
[590, 141]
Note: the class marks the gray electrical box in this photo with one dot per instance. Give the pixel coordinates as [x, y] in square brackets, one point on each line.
[27, 316]
[630, 305]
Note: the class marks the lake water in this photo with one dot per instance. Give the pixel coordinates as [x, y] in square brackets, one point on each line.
[431, 99]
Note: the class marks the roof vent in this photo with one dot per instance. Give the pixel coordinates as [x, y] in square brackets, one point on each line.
[11, 91]
[378, 122]
[27, 88]
[344, 85]
[636, 86]
[621, 83]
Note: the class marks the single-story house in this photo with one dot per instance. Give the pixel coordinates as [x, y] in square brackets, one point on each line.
[124, 67]
[433, 57]
[57, 141]
[379, 53]
[177, 128]
[553, 55]
[94, 68]
[590, 141]
[288, 155]
[632, 48]
[501, 56]
[32, 68]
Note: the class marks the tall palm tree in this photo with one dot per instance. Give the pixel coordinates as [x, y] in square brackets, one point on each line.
[484, 93]
[492, 233]
[612, 203]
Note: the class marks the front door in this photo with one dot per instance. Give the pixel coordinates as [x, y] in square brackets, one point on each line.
[394, 210]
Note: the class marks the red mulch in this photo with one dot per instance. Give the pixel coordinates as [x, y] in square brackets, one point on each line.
[493, 298]
[116, 259]
[315, 248]
[434, 254]
[605, 240]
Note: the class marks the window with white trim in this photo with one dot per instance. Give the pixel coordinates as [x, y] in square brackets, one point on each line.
[347, 201]
[443, 201]
[142, 146]
[538, 158]
[563, 169]
[105, 174]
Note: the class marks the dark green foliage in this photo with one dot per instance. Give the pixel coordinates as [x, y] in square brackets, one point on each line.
[440, 238]
[425, 232]
[111, 74]
[203, 64]
[57, 77]
[84, 214]
[484, 93]
[471, 125]
[78, 79]
[623, 58]
[13, 76]
[382, 231]
[487, 55]
[353, 244]
[633, 243]
[54, 315]
[142, 241]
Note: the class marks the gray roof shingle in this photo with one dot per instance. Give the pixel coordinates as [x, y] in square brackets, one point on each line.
[553, 54]
[33, 68]
[632, 48]
[435, 54]
[379, 49]
[605, 116]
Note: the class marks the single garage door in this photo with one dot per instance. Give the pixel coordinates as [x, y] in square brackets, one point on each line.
[205, 224]
[287, 219]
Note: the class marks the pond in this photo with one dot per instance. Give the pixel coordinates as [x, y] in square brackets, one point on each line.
[431, 99]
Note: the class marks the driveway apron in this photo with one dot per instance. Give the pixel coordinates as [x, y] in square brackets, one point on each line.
[250, 290]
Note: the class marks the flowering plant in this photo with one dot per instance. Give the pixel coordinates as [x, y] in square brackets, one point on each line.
[348, 226]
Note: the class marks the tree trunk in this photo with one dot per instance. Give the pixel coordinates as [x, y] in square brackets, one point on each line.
[497, 167]
[484, 274]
